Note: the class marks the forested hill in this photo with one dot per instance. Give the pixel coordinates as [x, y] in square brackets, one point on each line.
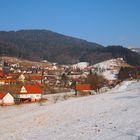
[44, 44]
[54, 47]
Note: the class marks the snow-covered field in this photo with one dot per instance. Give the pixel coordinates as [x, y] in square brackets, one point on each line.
[109, 69]
[109, 116]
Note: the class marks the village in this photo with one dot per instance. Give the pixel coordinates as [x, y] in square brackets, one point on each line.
[27, 81]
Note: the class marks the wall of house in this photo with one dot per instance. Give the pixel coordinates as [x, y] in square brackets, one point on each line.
[31, 96]
[2, 82]
[7, 100]
[0, 102]
[23, 90]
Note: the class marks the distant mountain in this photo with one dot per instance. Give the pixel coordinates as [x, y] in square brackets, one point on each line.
[44, 44]
[54, 47]
[105, 53]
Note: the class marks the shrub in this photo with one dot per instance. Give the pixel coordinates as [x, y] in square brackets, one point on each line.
[96, 81]
[83, 93]
[127, 73]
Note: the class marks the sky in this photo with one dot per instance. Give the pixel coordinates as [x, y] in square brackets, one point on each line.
[107, 22]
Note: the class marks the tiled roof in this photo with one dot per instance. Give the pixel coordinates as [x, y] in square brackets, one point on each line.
[1, 74]
[7, 80]
[31, 89]
[81, 87]
[2, 94]
[36, 77]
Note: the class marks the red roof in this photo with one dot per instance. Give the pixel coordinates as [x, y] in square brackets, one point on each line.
[7, 80]
[13, 74]
[31, 89]
[80, 87]
[1, 74]
[2, 94]
[36, 77]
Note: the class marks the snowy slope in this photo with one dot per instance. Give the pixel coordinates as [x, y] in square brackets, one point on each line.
[113, 115]
[109, 68]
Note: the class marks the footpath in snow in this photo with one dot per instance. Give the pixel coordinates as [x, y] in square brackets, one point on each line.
[114, 115]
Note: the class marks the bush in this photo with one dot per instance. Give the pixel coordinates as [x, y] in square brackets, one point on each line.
[96, 81]
[83, 93]
[127, 73]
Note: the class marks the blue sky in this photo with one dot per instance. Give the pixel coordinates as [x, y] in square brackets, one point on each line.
[105, 22]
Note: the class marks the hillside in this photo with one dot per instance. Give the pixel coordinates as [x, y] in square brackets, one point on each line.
[109, 69]
[54, 47]
[25, 63]
[112, 115]
[43, 44]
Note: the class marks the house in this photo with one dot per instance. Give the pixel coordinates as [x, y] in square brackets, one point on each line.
[21, 78]
[12, 75]
[2, 74]
[6, 98]
[82, 87]
[37, 78]
[6, 81]
[30, 93]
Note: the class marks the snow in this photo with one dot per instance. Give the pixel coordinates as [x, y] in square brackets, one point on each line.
[109, 68]
[81, 65]
[111, 115]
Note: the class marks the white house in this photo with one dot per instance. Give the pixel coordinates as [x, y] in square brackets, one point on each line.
[6, 98]
[21, 78]
[30, 93]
